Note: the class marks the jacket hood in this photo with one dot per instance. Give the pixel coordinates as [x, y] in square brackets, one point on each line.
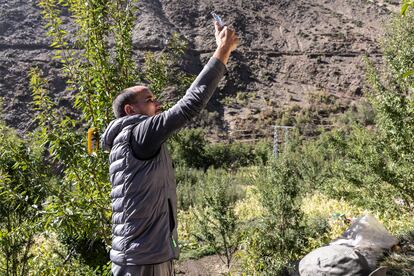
[116, 126]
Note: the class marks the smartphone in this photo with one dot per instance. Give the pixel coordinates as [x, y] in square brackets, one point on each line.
[218, 19]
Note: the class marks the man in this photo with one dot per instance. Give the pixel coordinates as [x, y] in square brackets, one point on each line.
[144, 230]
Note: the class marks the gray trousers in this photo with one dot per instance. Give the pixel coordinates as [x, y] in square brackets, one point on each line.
[162, 269]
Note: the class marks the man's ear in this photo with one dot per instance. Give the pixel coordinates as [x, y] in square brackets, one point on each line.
[129, 110]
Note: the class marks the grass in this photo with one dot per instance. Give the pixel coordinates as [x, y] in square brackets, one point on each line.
[326, 218]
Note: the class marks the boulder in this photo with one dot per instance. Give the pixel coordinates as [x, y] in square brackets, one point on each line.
[355, 253]
[333, 260]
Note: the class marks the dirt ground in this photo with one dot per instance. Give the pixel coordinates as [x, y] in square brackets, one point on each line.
[206, 266]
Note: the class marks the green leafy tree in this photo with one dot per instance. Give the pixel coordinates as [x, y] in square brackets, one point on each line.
[188, 148]
[278, 238]
[373, 166]
[95, 50]
[24, 184]
[218, 223]
[393, 102]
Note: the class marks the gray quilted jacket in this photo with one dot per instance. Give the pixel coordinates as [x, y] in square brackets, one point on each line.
[144, 212]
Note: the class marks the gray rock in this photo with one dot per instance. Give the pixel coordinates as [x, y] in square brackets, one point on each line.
[355, 253]
[333, 260]
[369, 237]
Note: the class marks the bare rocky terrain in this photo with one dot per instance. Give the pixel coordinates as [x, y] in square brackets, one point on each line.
[288, 49]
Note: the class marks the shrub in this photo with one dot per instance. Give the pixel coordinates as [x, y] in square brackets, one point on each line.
[191, 149]
[189, 186]
[24, 185]
[271, 243]
[217, 221]
[50, 257]
[188, 148]
[393, 102]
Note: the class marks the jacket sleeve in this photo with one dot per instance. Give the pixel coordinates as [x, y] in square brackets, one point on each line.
[148, 136]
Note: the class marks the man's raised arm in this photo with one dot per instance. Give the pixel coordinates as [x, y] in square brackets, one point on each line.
[151, 133]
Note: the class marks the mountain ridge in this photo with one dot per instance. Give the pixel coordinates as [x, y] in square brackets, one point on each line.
[288, 49]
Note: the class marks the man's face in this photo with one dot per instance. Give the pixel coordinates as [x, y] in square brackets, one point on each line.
[145, 103]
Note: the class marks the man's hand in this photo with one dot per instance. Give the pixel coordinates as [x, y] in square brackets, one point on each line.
[226, 40]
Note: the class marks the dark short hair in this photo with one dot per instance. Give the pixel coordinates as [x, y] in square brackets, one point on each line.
[126, 96]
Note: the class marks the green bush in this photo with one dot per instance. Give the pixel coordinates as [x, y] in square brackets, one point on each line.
[191, 149]
[347, 164]
[221, 155]
[393, 102]
[189, 186]
[273, 242]
[50, 257]
[192, 184]
[217, 221]
[78, 205]
[200, 195]
[24, 185]
[188, 148]
[232, 155]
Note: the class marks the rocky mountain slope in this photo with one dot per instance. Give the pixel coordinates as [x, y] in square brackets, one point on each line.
[288, 49]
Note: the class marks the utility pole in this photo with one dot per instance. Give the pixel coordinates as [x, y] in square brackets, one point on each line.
[279, 139]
